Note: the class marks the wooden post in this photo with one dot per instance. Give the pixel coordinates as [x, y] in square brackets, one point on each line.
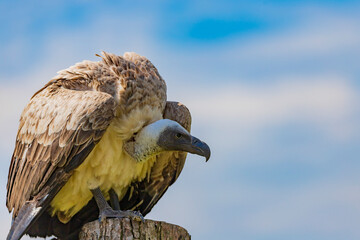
[130, 229]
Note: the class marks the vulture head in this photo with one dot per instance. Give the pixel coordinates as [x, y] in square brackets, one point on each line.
[164, 135]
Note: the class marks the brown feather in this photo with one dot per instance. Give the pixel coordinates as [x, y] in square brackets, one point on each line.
[30, 172]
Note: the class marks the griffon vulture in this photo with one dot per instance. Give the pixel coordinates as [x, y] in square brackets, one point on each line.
[98, 133]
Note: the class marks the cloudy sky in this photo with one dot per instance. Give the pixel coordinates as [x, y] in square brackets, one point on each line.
[273, 87]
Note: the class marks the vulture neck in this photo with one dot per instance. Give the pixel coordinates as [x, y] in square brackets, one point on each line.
[144, 144]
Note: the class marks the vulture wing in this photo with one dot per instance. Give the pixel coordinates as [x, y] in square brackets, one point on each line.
[58, 129]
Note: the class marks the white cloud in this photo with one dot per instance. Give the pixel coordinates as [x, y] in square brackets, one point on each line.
[327, 207]
[317, 34]
[325, 102]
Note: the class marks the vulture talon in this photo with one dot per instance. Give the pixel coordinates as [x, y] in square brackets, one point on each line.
[138, 216]
[111, 213]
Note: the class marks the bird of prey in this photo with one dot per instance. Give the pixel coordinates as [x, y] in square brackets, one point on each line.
[98, 134]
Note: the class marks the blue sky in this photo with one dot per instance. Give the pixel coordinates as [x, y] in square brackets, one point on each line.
[273, 87]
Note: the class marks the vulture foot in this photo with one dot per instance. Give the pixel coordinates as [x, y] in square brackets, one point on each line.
[110, 213]
[105, 211]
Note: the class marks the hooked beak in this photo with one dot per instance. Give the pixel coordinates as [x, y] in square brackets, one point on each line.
[199, 147]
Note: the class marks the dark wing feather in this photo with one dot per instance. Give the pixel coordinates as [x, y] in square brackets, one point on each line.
[142, 196]
[58, 129]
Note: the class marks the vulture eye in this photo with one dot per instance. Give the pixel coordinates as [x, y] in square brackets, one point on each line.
[132, 139]
[178, 135]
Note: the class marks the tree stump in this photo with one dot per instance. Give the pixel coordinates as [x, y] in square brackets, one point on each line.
[130, 229]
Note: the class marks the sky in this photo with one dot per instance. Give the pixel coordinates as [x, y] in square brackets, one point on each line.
[273, 88]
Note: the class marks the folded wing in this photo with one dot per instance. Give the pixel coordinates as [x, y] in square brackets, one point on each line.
[58, 129]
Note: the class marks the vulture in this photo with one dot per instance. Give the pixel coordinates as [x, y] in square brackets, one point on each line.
[100, 140]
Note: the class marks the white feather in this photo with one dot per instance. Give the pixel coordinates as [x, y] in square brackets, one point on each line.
[146, 140]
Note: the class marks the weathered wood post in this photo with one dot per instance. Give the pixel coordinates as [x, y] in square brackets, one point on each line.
[130, 229]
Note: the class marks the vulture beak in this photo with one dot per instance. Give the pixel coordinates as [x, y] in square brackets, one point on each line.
[176, 138]
[199, 147]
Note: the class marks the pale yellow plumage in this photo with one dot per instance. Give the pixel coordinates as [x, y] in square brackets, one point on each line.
[107, 166]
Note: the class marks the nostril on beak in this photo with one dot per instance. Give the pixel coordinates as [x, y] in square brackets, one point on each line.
[196, 142]
[200, 148]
